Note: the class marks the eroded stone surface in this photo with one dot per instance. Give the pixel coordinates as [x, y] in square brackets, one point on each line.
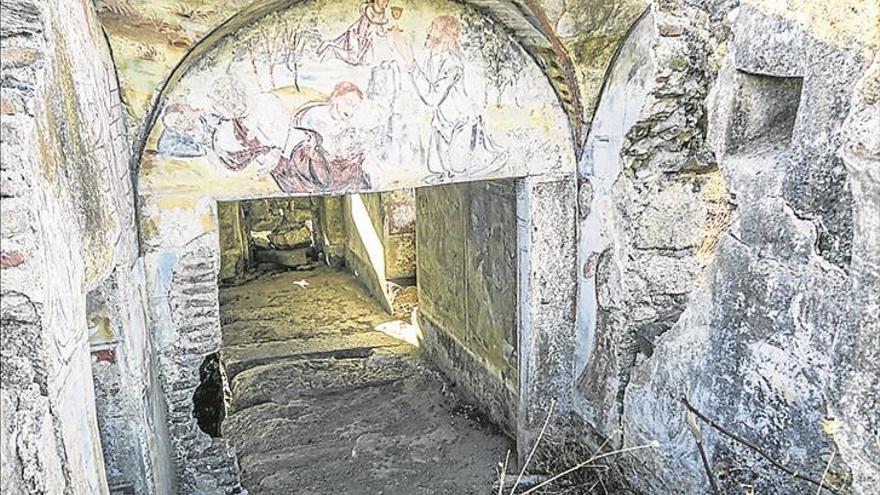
[656, 205]
[760, 339]
[738, 286]
[67, 208]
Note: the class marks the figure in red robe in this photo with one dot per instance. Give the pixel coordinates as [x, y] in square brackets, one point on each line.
[327, 155]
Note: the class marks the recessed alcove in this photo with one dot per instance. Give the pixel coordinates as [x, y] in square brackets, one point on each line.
[763, 114]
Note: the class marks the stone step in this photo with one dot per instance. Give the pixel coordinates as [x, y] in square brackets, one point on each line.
[292, 258]
[291, 380]
[241, 357]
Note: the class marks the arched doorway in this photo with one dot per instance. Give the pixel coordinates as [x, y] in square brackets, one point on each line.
[328, 98]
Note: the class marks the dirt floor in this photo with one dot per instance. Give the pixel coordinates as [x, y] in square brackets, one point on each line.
[322, 403]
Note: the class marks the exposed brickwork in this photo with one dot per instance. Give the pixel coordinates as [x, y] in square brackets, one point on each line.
[203, 465]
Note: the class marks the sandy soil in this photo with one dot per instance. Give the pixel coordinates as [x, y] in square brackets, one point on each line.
[322, 403]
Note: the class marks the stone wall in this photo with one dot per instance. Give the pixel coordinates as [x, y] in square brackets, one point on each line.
[330, 212]
[855, 385]
[235, 241]
[379, 240]
[68, 229]
[546, 238]
[467, 263]
[131, 417]
[729, 251]
[399, 209]
[364, 223]
[201, 464]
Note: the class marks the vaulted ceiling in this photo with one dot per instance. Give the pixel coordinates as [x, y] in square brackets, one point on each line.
[155, 42]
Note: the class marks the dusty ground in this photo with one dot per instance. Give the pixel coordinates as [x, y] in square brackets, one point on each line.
[324, 404]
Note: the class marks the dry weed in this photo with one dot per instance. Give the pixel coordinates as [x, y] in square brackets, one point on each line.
[567, 466]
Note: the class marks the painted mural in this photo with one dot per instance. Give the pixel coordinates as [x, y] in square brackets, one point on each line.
[335, 96]
[149, 37]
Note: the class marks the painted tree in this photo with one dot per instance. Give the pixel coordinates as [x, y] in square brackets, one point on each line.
[281, 42]
[495, 50]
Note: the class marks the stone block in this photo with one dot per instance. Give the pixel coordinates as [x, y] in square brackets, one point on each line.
[290, 258]
[291, 237]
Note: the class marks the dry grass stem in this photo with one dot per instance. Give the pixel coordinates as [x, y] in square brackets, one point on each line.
[735, 437]
[698, 438]
[587, 463]
[535, 446]
[503, 472]
[825, 473]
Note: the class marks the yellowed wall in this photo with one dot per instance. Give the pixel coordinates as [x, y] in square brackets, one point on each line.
[365, 243]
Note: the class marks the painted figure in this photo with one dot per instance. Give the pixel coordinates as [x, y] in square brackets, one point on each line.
[355, 45]
[327, 152]
[184, 132]
[457, 141]
[395, 137]
[236, 142]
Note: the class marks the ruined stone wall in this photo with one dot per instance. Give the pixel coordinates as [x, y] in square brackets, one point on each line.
[68, 230]
[280, 231]
[729, 254]
[467, 278]
[652, 202]
[185, 291]
[280, 223]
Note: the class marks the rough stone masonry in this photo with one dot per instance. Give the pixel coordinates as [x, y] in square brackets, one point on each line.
[703, 289]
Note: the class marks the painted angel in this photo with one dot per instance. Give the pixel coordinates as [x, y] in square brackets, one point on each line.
[355, 45]
[237, 141]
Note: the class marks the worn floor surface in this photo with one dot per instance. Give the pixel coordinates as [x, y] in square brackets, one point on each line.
[324, 404]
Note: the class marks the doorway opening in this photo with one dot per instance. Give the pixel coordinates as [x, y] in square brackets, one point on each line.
[357, 332]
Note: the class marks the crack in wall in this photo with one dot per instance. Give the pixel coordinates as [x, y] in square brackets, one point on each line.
[670, 207]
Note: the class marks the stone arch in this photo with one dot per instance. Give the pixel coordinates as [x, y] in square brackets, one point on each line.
[528, 24]
[266, 134]
[188, 179]
[531, 106]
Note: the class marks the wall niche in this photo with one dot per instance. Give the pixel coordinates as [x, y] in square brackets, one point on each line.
[763, 114]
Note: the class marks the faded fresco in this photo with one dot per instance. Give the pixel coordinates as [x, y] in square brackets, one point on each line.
[149, 37]
[355, 96]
